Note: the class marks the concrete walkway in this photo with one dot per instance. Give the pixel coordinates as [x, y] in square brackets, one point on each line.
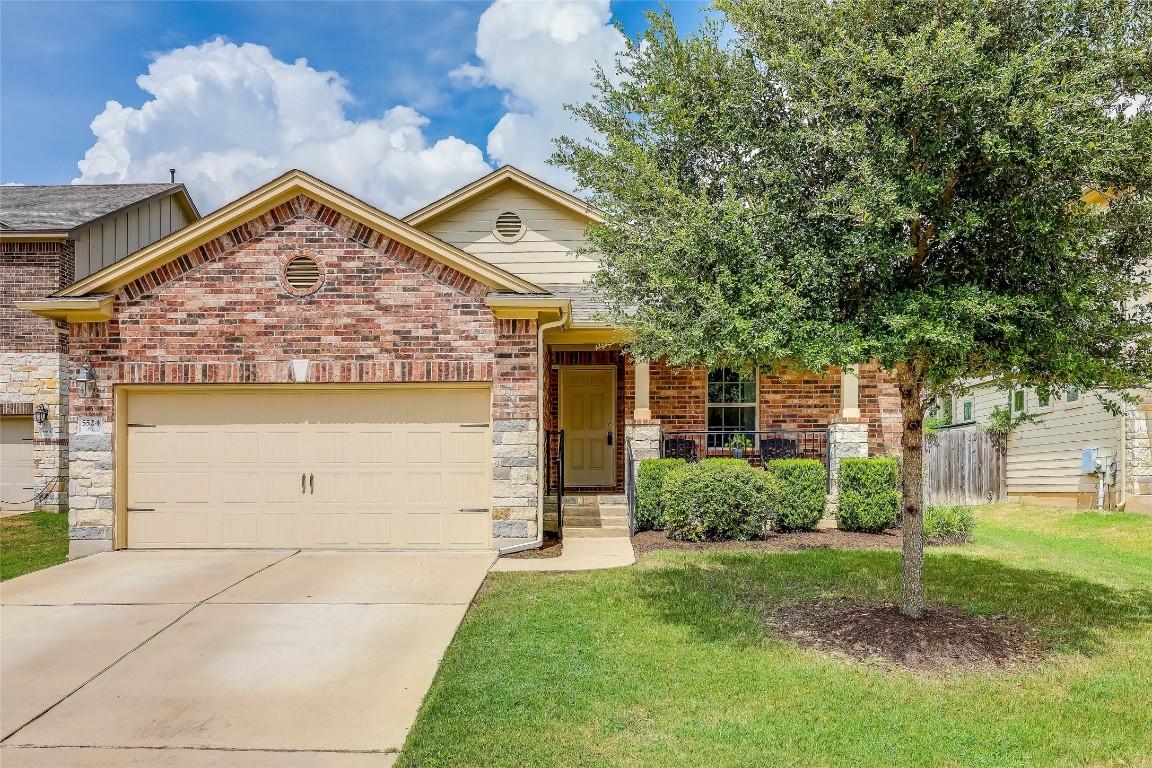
[588, 554]
[225, 658]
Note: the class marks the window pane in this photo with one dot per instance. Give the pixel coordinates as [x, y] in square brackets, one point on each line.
[1018, 400]
[968, 410]
[1073, 394]
[728, 386]
[1042, 399]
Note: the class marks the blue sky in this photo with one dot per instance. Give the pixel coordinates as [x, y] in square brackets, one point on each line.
[61, 62]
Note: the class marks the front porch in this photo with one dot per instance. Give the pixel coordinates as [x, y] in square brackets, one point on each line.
[604, 412]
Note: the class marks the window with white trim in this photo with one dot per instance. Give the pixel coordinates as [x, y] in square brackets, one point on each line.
[731, 400]
[969, 411]
[1018, 400]
[1072, 395]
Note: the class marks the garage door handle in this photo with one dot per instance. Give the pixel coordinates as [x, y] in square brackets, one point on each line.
[475, 509]
[302, 486]
[311, 483]
[140, 509]
[474, 425]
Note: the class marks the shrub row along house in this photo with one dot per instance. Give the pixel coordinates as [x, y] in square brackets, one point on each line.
[51, 236]
[300, 369]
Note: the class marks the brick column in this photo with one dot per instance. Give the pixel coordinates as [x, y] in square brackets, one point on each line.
[847, 439]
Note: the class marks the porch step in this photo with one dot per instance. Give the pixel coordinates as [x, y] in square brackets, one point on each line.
[595, 522]
[615, 531]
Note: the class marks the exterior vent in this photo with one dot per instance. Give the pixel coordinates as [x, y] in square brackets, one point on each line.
[509, 226]
[302, 274]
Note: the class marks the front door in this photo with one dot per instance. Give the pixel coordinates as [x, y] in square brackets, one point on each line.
[588, 418]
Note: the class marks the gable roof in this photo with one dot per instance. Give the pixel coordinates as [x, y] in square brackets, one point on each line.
[278, 191]
[507, 176]
[62, 208]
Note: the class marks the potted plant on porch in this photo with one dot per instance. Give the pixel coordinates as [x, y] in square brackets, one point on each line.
[737, 444]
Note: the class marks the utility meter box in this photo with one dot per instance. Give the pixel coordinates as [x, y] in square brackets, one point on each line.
[1089, 461]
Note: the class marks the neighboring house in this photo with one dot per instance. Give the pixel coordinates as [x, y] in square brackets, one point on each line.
[51, 236]
[300, 369]
[1044, 459]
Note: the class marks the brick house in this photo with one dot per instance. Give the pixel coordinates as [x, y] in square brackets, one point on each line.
[300, 369]
[50, 236]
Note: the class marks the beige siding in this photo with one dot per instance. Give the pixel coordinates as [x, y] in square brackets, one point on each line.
[545, 254]
[1044, 457]
[112, 239]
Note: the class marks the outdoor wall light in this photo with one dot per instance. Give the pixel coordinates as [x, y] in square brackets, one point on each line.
[86, 379]
[40, 415]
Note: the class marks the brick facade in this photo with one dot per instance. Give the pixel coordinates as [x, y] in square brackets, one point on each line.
[679, 401]
[385, 313]
[33, 358]
[31, 271]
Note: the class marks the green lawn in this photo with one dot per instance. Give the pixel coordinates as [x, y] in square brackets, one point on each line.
[670, 663]
[31, 542]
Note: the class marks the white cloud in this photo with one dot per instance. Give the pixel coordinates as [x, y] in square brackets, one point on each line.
[542, 54]
[232, 117]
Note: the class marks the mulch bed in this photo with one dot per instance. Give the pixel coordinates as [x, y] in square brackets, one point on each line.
[944, 639]
[831, 538]
[552, 547]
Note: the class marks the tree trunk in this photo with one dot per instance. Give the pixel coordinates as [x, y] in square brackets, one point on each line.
[912, 492]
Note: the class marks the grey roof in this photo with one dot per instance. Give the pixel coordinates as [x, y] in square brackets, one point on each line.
[67, 206]
[586, 302]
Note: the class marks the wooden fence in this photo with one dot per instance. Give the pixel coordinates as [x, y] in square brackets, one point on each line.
[965, 465]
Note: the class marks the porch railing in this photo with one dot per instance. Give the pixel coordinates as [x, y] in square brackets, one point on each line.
[630, 484]
[554, 473]
[755, 447]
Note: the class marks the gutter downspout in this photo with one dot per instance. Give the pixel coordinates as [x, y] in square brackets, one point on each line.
[541, 436]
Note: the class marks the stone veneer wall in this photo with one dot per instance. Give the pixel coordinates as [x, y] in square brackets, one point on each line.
[27, 381]
[847, 439]
[385, 313]
[1138, 461]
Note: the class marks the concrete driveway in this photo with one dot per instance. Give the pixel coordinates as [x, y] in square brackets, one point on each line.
[225, 658]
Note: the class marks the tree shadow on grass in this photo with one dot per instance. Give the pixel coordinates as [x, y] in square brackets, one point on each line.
[725, 596]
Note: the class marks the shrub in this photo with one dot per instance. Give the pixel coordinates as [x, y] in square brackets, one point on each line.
[948, 525]
[800, 491]
[649, 485]
[869, 494]
[716, 499]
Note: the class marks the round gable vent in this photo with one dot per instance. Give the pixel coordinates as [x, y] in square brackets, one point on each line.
[509, 226]
[302, 274]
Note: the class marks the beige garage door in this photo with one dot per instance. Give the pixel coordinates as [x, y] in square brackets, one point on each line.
[404, 468]
[17, 480]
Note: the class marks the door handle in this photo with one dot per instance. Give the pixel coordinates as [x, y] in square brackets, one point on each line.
[301, 483]
[311, 483]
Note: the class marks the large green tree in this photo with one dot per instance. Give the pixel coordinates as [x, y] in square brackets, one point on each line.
[814, 183]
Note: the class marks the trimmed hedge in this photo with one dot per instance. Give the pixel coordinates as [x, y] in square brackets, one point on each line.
[800, 491]
[649, 485]
[716, 499]
[869, 494]
[948, 525]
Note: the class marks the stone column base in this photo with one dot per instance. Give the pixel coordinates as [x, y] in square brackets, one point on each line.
[847, 439]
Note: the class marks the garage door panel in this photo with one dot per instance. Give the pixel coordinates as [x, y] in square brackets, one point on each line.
[331, 528]
[239, 529]
[240, 447]
[374, 528]
[280, 529]
[468, 528]
[424, 529]
[381, 468]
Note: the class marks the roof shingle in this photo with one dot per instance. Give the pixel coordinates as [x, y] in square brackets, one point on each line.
[67, 206]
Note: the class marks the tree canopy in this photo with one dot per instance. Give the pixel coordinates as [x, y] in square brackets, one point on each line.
[813, 183]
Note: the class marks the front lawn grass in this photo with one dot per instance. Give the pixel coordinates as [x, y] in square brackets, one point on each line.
[671, 663]
[31, 542]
